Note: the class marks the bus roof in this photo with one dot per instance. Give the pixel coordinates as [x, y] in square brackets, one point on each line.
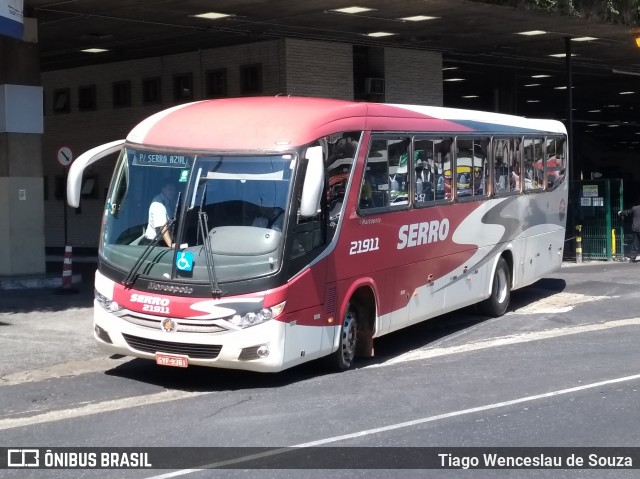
[281, 122]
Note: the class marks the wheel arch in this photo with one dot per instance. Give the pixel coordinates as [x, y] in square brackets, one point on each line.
[362, 293]
[507, 254]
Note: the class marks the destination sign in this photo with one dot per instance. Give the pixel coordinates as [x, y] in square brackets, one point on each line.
[143, 158]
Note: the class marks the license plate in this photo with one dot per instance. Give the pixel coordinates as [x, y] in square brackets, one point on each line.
[172, 360]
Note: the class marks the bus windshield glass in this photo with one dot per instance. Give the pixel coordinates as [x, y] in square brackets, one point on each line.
[229, 211]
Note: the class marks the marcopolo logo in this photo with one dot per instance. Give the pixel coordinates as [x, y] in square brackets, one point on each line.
[416, 234]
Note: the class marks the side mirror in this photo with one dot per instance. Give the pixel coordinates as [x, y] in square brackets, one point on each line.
[74, 179]
[313, 182]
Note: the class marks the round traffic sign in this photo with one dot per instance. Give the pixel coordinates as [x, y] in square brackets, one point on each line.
[64, 155]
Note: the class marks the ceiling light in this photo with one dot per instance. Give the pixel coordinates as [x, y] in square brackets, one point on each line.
[449, 68]
[561, 55]
[594, 111]
[594, 124]
[417, 18]
[453, 79]
[583, 39]
[532, 32]
[627, 92]
[540, 76]
[212, 15]
[94, 50]
[378, 34]
[533, 101]
[559, 87]
[613, 126]
[470, 96]
[352, 10]
[532, 84]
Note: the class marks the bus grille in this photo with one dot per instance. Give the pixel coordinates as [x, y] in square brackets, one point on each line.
[193, 326]
[195, 351]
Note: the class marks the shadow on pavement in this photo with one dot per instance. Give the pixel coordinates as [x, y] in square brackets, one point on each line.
[203, 379]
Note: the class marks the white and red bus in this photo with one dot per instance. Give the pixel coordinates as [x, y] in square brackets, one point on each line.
[367, 229]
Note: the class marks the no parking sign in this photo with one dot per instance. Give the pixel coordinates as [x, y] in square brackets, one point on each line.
[64, 156]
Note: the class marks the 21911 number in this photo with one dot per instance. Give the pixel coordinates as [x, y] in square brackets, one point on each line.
[364, 246]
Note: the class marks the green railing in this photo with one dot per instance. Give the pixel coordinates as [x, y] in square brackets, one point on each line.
[595, 208]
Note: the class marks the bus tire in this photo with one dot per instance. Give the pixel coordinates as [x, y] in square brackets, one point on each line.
[498, 302]
[342, 358]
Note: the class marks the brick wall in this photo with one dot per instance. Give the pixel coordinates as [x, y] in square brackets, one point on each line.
[413, 77]
[289, 66]
[82, 130]
[321, 69]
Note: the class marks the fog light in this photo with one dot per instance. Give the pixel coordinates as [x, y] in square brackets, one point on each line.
[263, 351]
[102, 334]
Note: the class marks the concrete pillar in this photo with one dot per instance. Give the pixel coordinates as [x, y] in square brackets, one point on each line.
[21, 182]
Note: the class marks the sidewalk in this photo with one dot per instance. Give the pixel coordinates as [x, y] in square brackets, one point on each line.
[83, 268]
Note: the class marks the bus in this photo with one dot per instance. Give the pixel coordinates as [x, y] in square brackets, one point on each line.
[368, 238]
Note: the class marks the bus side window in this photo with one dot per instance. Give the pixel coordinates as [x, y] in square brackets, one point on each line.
[374, 189]
[554, 162]
[533, 163]
[424, 187]
[503, 153]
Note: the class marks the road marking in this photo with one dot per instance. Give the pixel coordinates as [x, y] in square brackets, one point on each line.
[507, 340]
[71, 368]
[558, 303]
[401, 425]
[99, 407]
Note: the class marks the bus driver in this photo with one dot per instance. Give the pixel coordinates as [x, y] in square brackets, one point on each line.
[159, 216]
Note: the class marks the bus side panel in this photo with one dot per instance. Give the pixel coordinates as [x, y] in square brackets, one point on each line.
[467, 281]
[303, 342]
[402, 287]
[307, 288]
[428, 298]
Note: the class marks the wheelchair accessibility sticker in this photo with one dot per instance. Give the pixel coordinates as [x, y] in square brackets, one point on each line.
[184, 261]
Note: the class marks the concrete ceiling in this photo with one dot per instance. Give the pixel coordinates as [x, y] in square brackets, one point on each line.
[481, 40]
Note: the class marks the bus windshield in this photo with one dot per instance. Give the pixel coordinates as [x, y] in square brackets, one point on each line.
[237, 204]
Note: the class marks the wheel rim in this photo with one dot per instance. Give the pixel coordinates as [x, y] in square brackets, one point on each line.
[500, 286]
[349, 337]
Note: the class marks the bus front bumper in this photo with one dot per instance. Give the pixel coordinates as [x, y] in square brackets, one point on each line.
[243, 349]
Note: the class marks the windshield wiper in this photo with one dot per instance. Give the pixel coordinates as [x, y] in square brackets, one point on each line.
[133, 273]
[203, 227]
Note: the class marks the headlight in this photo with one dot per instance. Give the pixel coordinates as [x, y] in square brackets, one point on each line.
[257, 317]
[106, 303]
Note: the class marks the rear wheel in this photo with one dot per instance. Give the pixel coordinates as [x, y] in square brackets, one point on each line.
[497, 304]
[343, 357]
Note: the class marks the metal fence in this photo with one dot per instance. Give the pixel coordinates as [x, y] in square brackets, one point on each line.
[595, 206]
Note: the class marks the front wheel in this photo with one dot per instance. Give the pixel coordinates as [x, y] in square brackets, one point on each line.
[497, 304]
[342, 358]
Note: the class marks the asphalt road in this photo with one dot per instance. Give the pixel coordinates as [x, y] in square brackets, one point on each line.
[560, 369]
